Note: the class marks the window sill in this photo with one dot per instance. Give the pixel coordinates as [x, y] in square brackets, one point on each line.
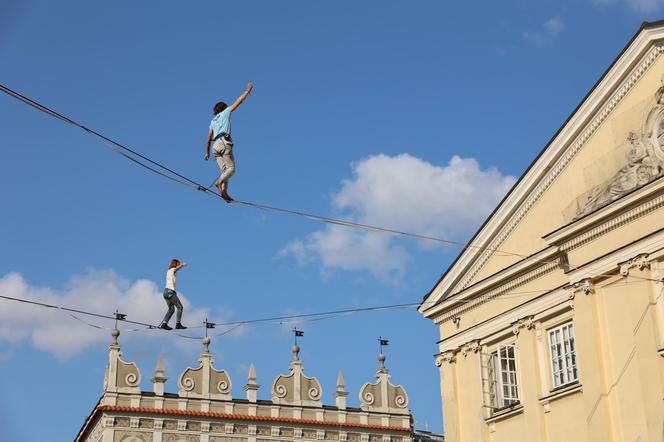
[560, 392]
[505, 413]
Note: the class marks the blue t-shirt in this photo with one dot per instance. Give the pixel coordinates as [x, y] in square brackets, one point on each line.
[221, 123]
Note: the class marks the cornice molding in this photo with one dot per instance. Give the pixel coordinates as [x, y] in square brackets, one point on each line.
[241, 417]
[486, 331]
[465, 303]
[497, 280]
[572, 137]
[652, 246]
[619, 220]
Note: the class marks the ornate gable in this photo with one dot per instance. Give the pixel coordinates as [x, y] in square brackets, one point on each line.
[383, 396]
[295, 388]
[205, 381]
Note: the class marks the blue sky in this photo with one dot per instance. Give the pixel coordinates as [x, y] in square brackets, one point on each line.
[415, 116]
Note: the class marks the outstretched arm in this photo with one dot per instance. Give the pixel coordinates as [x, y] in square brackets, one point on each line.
[179, 266]
[242, 97]
[207, 146]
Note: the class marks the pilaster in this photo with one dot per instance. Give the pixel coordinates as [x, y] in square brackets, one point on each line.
[528, 376]
[446, 363]
[592, 348]
[468, 374]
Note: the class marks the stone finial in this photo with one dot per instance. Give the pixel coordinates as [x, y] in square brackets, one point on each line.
[205, 382]
[296, 388]
[120, 376]
[383, 396]
[381, 360]
[251, 386]
[340, 394]
[159, 378]
[114, 336]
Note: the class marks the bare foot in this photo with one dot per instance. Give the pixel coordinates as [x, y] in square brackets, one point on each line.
[219, 187]
[226, 196]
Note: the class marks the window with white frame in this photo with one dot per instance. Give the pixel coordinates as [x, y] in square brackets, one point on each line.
[563, 355]
[501, 381]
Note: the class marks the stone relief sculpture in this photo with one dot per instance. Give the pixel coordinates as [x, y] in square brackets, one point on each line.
[645, 161]
[123, 436]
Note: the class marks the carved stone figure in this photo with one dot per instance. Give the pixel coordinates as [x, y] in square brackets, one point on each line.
[645, 161]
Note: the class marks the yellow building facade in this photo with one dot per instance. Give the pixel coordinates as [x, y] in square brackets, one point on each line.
[552, 319]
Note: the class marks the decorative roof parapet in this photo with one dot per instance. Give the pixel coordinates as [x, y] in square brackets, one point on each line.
[120, 376]
[383, 396]
[205, 382]
[296, 388]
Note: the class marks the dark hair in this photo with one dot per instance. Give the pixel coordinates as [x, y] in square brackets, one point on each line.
[219, 107]
[174, 263]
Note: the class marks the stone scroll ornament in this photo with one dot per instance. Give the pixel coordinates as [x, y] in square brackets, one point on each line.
[383, 396]
[296, 388]
[645, 161]
[205, 381]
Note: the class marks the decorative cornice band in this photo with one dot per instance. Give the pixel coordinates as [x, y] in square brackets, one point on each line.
[553, 302]
[614, 223]
[562, 163]
[242, 417]
[498, 291]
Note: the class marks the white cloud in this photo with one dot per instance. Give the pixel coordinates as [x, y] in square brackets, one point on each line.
[636, 5]
[547, 33]
[56, 332]
[403, 193]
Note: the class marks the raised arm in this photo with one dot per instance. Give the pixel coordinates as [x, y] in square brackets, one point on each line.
[179, 266]
[242, 97]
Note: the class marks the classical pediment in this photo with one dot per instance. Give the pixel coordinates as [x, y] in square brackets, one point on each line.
[611, 145]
